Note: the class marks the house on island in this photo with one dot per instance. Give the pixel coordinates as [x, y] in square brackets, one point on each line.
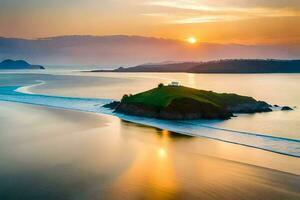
[174, 83]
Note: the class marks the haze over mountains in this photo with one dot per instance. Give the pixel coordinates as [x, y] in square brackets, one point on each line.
[120, 50]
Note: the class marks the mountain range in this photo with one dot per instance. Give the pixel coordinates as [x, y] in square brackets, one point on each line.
[121, 50]
[218, 66]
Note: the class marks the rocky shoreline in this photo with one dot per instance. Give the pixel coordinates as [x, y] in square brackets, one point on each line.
[175, 111]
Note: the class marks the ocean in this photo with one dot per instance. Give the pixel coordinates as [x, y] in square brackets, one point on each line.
[68, 104]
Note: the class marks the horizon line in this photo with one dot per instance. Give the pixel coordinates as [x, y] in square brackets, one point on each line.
[142, 36]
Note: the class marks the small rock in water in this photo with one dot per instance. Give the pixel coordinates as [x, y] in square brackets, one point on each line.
[276, 106]
[111, 105]
[286, 108]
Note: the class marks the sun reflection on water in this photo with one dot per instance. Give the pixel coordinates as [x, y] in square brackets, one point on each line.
[191, 80]
[162, 153]
[153, 168]
[162, 149]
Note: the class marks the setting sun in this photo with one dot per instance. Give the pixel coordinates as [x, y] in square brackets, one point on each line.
[192, 40]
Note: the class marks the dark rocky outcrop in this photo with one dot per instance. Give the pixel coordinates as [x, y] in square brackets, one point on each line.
[188, 109]
[179, 109]
[286, 108]
[254, 107]
[112, 105]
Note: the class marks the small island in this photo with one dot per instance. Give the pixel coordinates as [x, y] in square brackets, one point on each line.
[18, 64]
[174, 102]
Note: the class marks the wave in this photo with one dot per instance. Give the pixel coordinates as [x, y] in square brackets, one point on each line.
[198, 128]
[26, 89]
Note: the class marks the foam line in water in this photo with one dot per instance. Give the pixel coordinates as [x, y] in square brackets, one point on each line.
[243, 132]
[197, 128]
[26, 89]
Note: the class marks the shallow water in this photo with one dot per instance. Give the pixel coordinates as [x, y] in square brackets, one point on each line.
[50, 153]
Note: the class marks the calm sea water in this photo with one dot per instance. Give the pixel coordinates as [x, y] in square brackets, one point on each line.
[74, 155]
[281, 89]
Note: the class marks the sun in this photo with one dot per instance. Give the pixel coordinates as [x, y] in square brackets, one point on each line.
[192, 40]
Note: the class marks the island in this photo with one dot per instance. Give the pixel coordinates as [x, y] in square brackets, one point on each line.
[229, 66]
[175, 102]
[18, 64]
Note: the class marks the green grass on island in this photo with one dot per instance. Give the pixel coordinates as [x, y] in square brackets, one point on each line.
[179, 102]
[162, 96]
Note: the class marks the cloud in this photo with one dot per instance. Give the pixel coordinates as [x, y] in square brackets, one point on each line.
[232, 3]
[190, 11]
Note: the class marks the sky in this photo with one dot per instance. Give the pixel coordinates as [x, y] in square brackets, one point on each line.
[214, 21]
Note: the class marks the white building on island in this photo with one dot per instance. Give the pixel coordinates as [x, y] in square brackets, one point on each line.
[174, 83]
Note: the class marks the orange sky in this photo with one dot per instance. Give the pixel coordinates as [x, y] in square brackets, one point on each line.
[226, 21]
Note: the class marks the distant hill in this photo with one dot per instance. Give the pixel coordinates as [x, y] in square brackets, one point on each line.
[220, 66]
[247, 66]
[18, 64]
[173, 67]
[121, 50]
